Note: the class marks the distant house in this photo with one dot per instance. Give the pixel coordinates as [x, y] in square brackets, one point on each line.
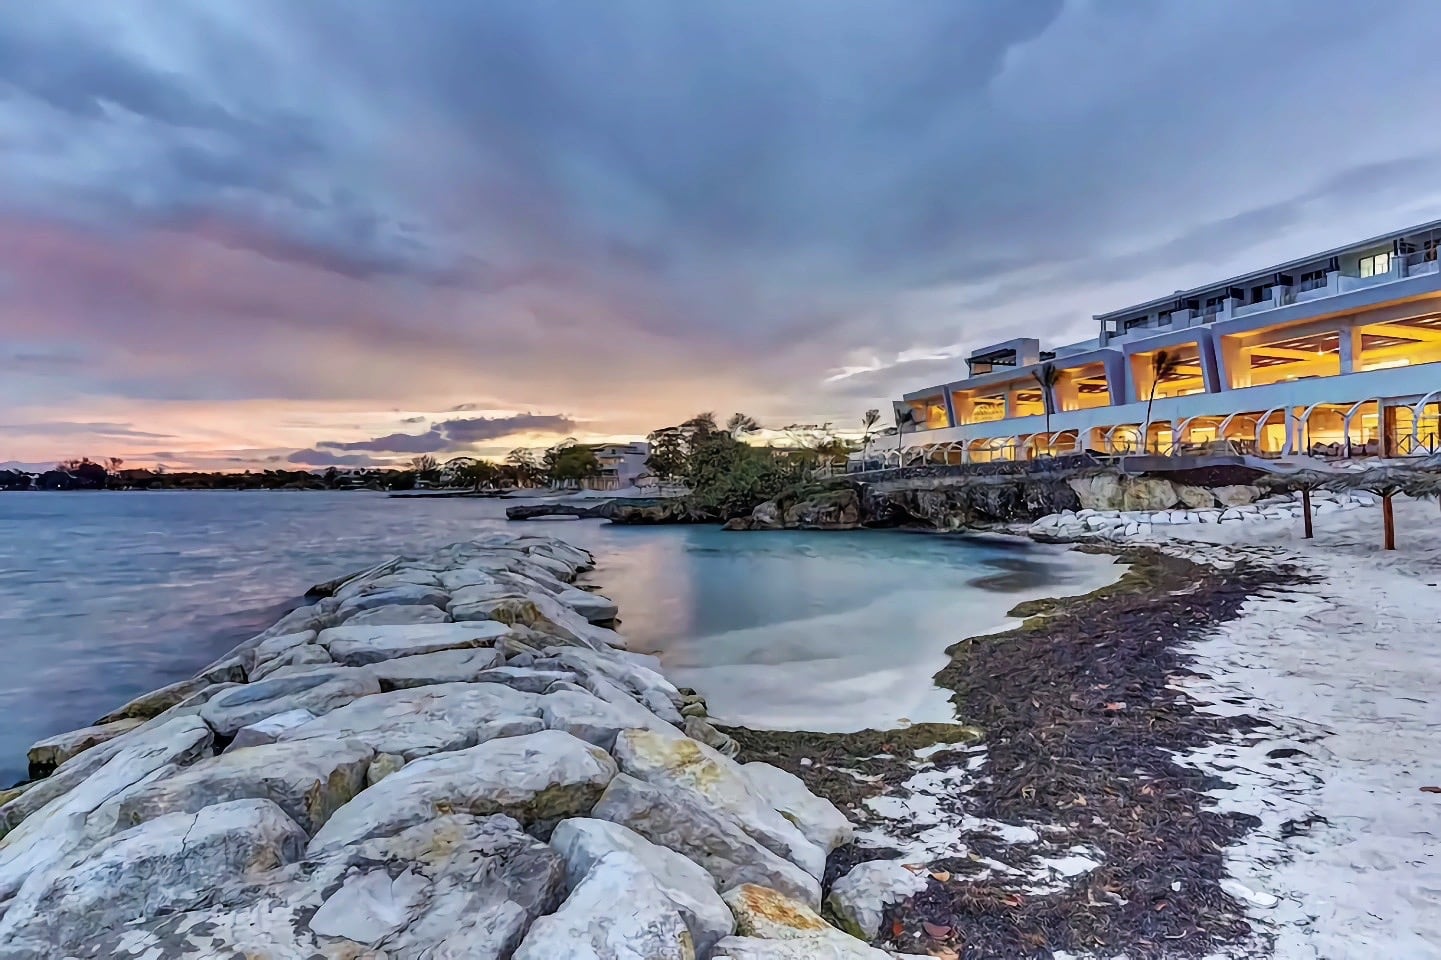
[621, 465]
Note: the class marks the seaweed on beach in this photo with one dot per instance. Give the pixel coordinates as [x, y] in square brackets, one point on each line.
[1082, 720]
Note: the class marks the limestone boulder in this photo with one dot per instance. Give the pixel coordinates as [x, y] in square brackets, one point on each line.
[357, 646]
[167, 865]
[1237, 495]
[155, 702]
[819, 820]
[63, 824]
[542, 776]
[443, 666]
[400, 595]
[389, 581]
[771, 915]
[1101, 492]
[455, 887]
[592, 606]
[618, 912]
[698, 728]
[1149, 493]
[582, 843]
[398, 615]
[859, 898]
[683, 764]
[269, 730]
[593, 720]
[685, 822]
[318, 691]
[45, 755]
[275, 646]
[1195, 498]
[308, 779]
[305, 655]
[416, 722]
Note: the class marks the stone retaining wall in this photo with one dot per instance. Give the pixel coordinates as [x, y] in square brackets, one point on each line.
[450, 756]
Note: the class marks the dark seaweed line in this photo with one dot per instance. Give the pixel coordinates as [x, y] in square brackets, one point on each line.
[1064, 752]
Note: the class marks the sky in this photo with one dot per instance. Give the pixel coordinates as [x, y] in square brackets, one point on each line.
[258, 233]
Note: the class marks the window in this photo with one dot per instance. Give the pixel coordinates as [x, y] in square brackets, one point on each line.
[1312, 280]
[1135, 322]
[1375, 265]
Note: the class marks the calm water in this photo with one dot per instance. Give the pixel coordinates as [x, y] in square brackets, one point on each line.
[106, 595]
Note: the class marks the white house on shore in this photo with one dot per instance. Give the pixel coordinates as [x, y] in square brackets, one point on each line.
[1332, 354]
[621, 465]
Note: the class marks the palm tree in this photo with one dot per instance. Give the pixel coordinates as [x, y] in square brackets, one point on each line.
[1164, 365]
[868, 422]
[741, 424]
[1047, 376]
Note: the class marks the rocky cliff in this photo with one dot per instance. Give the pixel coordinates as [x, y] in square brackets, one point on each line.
[980, 502]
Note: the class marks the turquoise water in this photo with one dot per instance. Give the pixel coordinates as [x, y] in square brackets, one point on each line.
[107, 595]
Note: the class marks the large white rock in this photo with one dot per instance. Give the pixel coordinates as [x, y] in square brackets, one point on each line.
[443, 666]
[60, 827]
[45, 755]
[583, 842]
[686, 823]
[401, 594]
[859, 899]
[618, 912]
[166, 865]
[592, 606]
[304, 655]
[269, 730]
[357, 646]
[1236, 495]
[309, 780]
[819, 820]
[418, 721]
[319, 691]
[541, 776]
[275, 646]
[596, 721]
[768, 916]
[388, 581]
[686, 764]
[452, 888]
[398, 615]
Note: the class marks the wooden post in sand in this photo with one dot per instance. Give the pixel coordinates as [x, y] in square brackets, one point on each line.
[1389, 519]
[1306, 509]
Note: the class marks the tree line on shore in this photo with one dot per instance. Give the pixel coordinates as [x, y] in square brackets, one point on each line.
[721, 466]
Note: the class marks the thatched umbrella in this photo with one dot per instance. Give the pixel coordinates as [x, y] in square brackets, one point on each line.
[1385, 482]
[1305, 481]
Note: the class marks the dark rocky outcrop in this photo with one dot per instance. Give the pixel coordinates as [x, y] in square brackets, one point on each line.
[529, 511]
[652, 512]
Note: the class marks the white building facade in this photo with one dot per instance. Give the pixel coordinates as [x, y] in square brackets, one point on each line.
[1334, 354]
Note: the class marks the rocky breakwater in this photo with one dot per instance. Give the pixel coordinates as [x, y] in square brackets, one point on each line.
[450, 756]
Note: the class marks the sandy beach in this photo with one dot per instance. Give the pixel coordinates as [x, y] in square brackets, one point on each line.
[1345, 672]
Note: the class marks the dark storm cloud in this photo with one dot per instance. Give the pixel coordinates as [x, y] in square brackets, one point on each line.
[453, 434]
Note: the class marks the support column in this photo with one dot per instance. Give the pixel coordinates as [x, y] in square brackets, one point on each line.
[1386, 422]
[1235, 363]
[1350, 348]
[961, 408]
[1067, 397]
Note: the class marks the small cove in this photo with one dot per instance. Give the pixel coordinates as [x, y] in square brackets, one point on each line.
[105, 596]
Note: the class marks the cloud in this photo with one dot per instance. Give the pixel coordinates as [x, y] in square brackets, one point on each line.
[325, 458]
[70, 428]
[633, 210]
[456, 434]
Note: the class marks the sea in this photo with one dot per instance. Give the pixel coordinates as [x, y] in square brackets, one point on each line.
[106, 595]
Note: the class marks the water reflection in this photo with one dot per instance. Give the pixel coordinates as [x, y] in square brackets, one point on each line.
[105, 596]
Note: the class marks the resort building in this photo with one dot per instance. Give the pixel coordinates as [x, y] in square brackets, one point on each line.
[1334, 354]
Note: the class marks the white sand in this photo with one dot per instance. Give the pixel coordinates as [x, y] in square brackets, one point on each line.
[1349, 672]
